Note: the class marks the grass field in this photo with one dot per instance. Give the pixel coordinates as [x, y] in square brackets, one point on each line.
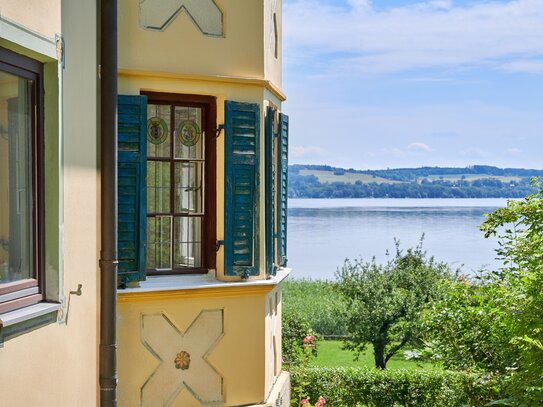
[471, 177]
[351, 178]
[330, 354]
[347, 177]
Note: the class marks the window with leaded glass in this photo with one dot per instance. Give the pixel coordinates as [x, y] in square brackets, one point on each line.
[180, 184]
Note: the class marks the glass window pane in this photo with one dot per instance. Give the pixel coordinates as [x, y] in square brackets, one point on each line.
[189, 187]
[16, 251]
[151, 243]
[159, 242]
[158, 131]
[188, 134]
[158, 187]
[187, 242]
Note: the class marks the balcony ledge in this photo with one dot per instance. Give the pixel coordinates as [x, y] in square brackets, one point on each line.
[201, 285]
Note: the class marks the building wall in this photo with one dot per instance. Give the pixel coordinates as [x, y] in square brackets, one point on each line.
[182, 48]
[57, 365]
[40, 16]
[273, 41]
[243, 357]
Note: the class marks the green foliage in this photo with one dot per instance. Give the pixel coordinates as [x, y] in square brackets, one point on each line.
[317, 302]
[385, 301]
[520, 229]
[309, 349]
[294, 329]
[352, 387]
[469, 329]
[496, 324]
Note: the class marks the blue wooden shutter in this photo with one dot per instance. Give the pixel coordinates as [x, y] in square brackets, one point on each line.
[132, 199]
[241, 242]
[283, 193]
[270, 191]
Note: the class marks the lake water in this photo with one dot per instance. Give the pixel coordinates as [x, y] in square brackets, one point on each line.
[323, 232]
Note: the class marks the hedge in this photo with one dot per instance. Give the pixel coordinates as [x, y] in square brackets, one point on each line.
[352, 387]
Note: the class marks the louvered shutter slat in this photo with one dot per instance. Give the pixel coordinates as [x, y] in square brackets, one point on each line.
[283, 193]
[270, 191]
[131, 188]
[241, 188]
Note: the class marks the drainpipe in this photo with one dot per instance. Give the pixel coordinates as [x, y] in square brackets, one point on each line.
[108, 202]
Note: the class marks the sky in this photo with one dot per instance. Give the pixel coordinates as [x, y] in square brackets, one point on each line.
[402, 83]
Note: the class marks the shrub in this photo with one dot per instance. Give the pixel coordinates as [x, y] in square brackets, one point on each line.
[469, 329]
[294, 329]
[352, 387]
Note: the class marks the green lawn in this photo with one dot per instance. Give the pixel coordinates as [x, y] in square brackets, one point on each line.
[330, 354]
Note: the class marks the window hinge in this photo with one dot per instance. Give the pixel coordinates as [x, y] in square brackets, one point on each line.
[220, 128]
[218, 244]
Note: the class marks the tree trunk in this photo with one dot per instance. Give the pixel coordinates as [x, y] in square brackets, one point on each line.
[379, 354]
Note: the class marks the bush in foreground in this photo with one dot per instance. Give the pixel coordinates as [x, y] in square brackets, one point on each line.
[350, 387]
[295, 329]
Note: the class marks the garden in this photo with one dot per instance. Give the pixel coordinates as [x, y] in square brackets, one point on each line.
[415, 332]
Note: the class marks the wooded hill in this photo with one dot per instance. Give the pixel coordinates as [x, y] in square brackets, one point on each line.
[478, 181]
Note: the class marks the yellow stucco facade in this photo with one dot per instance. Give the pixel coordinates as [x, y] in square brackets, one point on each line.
[229, 329]
[57, 364]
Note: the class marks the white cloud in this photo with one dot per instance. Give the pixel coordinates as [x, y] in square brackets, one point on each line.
[306, 151]
[526, 66]
[475, 152]
[514, 151]
[419, 147]
[505, 35]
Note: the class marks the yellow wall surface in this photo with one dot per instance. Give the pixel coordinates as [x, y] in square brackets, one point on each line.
[182, 48]
[59, 362]
[244, 355]
[40, 16]
[273, 41]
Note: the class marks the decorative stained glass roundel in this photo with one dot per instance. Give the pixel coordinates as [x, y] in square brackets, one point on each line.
[188, 133]
[157, 130]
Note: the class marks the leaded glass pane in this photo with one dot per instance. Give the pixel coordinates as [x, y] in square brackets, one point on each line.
[188, 134]
[158, 187]
[187, 242]
[16, 251]
[158, 131]
[159, 242]
[189, 187]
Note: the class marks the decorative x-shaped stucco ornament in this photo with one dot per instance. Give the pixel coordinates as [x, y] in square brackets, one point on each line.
[183, 359]
[158, 14]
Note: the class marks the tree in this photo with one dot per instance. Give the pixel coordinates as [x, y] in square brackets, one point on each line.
[520, 229]
[385, 301]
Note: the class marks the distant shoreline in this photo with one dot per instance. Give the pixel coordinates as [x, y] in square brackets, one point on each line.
[314, 181]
